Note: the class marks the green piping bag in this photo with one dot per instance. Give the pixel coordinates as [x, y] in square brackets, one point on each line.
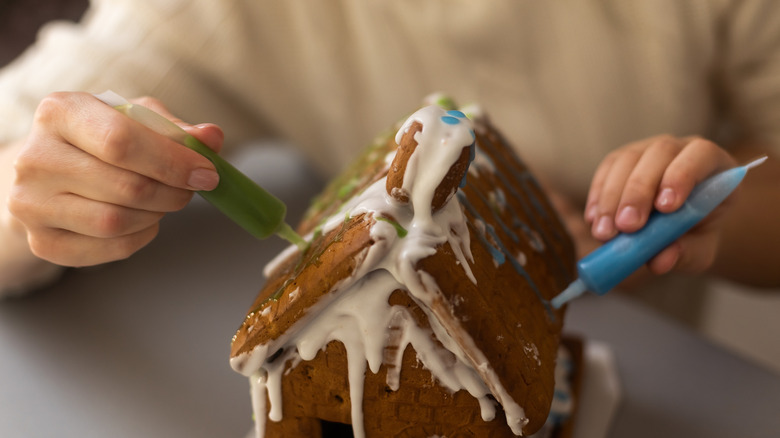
[237, 196]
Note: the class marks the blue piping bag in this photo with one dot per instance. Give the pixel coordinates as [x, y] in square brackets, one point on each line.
[607, 266]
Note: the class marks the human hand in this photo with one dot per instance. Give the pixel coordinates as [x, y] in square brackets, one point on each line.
[92, 185]
[657, 173]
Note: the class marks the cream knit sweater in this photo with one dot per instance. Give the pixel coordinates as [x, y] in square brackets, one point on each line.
[566, 80]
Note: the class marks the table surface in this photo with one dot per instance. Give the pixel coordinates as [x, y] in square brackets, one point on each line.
[140, 347]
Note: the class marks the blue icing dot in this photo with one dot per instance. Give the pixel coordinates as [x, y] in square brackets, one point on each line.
[450, 120]
[456, 113]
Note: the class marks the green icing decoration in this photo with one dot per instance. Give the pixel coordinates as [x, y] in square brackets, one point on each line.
[446, 102]
[401, 231]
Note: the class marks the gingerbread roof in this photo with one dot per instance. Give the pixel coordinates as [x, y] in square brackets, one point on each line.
[445, 246]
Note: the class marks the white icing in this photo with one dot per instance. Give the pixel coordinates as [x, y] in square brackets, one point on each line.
[359, 316]
[257, 385]
[439, 145]
[532, 352]
[521, 258]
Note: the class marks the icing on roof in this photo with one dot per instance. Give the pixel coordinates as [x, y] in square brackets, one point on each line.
[357, 313]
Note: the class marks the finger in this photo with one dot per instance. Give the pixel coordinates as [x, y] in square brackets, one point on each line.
[71, 249]
[698, 160]
[210, 134]
[71, 170]
[114, 138]
[641, 187]
[604, 225]
[130, 190]
[693, 253]
[80, 215]
[666, 260]
[95, 219]
[596, 186]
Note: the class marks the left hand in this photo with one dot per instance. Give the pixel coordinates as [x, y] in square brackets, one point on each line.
[657, 173]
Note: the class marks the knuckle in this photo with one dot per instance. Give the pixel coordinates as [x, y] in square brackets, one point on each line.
[138, 191]
[39, 247]
[46, 246]
[703, 145]
[16, 207]
[640, 187]
[114, 143]
[134, 189]
[610, 157]
[667, 144]
[110, 221]
[633, 154]
[23, 164]
[20, 206]
[50, 107]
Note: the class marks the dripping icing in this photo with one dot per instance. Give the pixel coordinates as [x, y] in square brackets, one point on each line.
[388, 265]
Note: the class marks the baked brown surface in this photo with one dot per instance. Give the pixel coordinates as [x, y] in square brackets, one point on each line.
[522, 258]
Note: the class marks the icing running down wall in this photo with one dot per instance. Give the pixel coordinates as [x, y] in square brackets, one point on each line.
[404, 233]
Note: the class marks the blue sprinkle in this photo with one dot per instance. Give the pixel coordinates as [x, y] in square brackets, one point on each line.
[450, 120]
[456, 113]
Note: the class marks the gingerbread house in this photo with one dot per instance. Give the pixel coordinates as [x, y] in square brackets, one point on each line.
[421, 307]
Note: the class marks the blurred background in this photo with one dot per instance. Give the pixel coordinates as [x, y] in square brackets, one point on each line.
[20, 21]
[745, 321]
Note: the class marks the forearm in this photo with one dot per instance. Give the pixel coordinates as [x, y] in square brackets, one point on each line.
[751, 234]
[20, 270]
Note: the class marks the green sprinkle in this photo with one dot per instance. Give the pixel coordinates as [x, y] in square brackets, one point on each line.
[401, 231]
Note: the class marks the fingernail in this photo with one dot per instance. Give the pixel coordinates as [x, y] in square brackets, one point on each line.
[604, 227]
[666, 197]
[628, 216]
[203, 179]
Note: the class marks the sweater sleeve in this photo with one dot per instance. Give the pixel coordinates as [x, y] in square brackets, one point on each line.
[750, 66]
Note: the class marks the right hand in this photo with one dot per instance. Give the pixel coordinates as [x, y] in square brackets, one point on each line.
[92, 185]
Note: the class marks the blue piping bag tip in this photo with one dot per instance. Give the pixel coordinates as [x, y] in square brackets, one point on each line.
[756, 162]
[574, 290]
